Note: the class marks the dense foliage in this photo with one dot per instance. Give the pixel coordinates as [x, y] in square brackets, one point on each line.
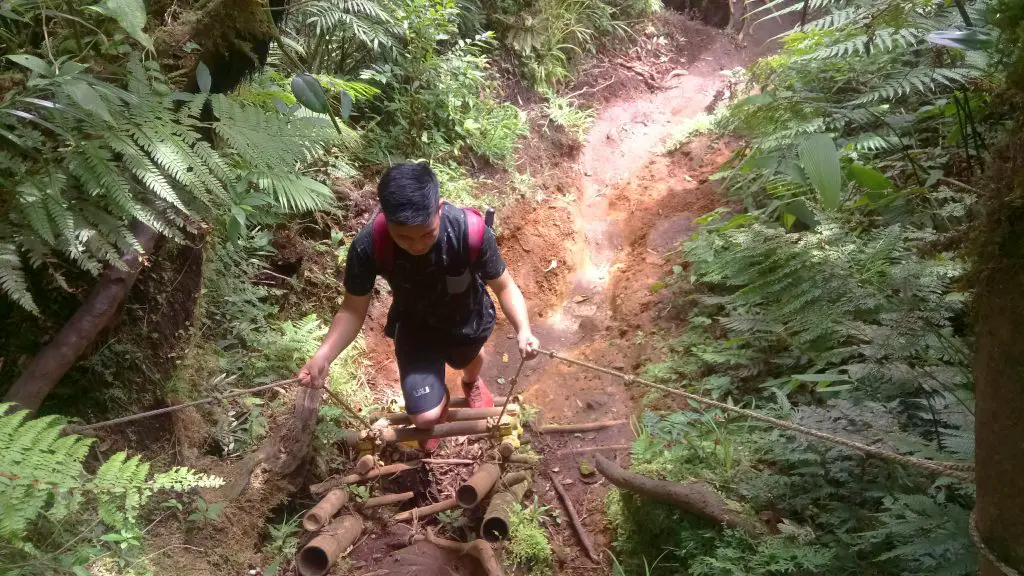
[121, 114]
[835, 299]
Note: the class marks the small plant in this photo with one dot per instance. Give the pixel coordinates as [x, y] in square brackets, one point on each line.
[359, 492]
[455, 523]
[282, 539]
[564, 113]
[528, 547]
[206, 511]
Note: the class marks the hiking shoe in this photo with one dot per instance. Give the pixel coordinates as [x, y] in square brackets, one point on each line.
[477, 394]
[431, 444]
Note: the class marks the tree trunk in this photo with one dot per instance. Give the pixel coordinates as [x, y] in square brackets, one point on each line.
[999, 358]
[57, 357]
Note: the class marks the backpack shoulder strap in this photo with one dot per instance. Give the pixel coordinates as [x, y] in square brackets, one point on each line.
[383, 245]
[475, 227]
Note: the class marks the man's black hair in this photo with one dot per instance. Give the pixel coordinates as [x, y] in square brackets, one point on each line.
[408, 194]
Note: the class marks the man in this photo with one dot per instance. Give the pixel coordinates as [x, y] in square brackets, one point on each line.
[437, 259]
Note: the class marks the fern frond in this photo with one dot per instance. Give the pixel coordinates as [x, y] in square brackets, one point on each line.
[918, 80]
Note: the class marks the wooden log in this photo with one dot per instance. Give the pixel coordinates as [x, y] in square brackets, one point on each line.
[426, 510]
[581, 532]
[695, 497]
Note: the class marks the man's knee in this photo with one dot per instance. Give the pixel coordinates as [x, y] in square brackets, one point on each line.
[430, 418]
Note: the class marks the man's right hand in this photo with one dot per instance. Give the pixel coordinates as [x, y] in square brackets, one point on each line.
[314, 373]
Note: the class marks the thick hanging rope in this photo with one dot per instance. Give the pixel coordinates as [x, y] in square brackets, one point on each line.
[960, 470]
[208, 400]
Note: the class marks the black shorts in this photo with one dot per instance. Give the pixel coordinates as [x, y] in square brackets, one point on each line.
[422, 353]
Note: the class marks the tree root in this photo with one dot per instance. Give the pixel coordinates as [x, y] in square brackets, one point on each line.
[477, 549]
[695, 497]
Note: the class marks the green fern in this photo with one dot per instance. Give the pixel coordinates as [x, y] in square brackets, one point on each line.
[47, 498]
[79, 184]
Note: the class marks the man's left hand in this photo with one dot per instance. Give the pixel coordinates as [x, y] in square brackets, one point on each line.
[528, 345]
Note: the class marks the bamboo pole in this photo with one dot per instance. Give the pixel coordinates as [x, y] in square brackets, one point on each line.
[478, 486]
[317, 557]
[426, 510]
[324, 510]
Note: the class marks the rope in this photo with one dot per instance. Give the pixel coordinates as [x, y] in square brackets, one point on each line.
[960, 470]
[986, 551]
[215, 398]
[512, 389]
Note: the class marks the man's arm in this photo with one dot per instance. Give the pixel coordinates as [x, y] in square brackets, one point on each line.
[344, 329]
[514, 306]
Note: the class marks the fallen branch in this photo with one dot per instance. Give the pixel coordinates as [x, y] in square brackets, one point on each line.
[422, 511]
[695, 497]
[570, 428]
[477, 549]
[580, 530]
[327, 485]
[447, 461]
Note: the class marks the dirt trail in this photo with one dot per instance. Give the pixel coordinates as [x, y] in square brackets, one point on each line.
[633, 204]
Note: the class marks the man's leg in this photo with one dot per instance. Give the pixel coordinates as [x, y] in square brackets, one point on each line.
[470, 359]
[421, 369]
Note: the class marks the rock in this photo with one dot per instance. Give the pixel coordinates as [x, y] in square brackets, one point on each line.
[586, 468]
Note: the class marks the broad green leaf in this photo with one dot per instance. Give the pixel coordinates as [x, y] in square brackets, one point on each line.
[130, 14]
[820, 158]
[203, 78]
[962, 39]
[273, 568]
[309, 93]
[88, 99]
[34, 64]
[346, 104]
[869, 178]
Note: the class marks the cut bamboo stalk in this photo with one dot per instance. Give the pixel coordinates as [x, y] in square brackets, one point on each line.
[478, 486]
[385, 500]
[495, 526]
[509, 480]
[365, 463]
[522, 459]
[324, 510]
[463, 402]
[570, 428]
[317, 557]
[327, 485]
[456, 415]
[423, 511]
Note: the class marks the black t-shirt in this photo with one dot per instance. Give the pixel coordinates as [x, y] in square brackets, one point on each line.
[438, 290]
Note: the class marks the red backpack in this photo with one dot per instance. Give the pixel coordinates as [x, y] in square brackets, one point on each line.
[384, 245]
